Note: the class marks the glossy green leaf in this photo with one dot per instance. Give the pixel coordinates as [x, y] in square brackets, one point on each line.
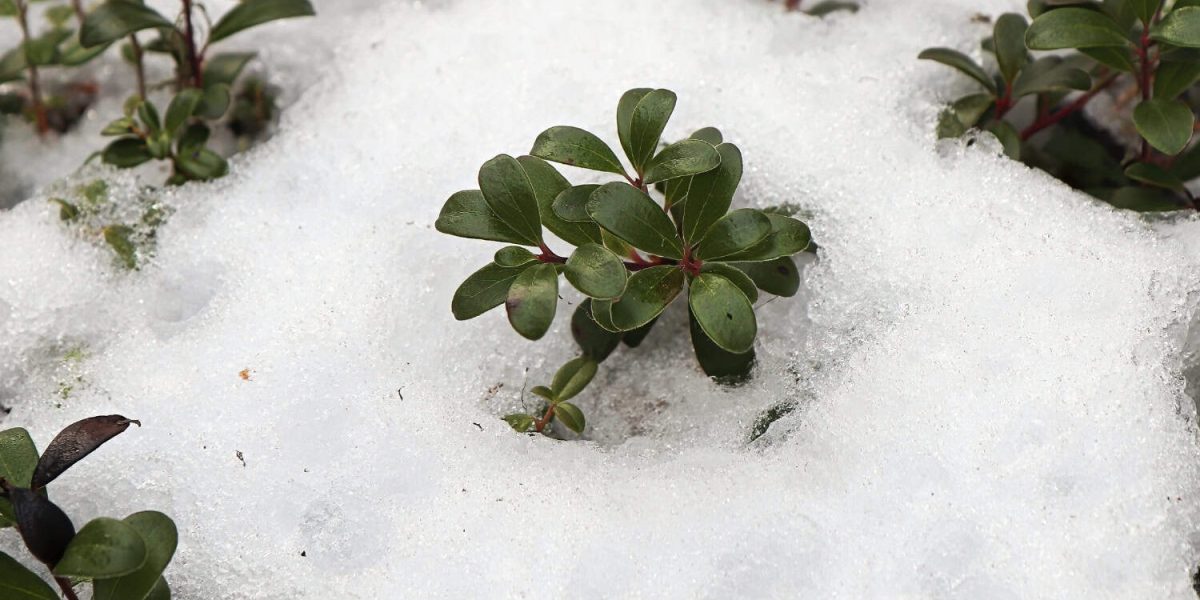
[710, 194]
[1143, 199]
[570, 416]
[602, 315]
[73, 54]
[1117, 57]
[120, 126]
[118, 237]
[43, 50]
[19, 583]
[828, 7]
[484, 290]
[712, 135]
[595, 341]
[225, 67]
[1050, 74]
[647, 294]
[1144, 9]
[723, 312]
[103, 548]
[1175, 77]
[1154, 175]
[625, 107]
[631, 215]
[962, 62]
[18, 456]
[648, 120]
[532, 301]
[520, 422]
[1009, 38]
[513, 256]
[734, 233]
[634, 337]
[964, 114]
[786, 238]
[216, 101]
[181, 107]
[1187, 165]
[160, 536]
[778, 276]
[195, 137]
[161, 591]
[576, 147]
[543, 391]
[1009, 138]
[572, 377]
[716, 362]
[571, 204]
[466, 214]
[250, 13]
[116, 19]
[682, 159]
[202, 164]
[1074, 28]
[548, 184]
[508, 192]
[596, 271]
[1165, 124]
[735, 276]
[126, 152]
[1181, 27]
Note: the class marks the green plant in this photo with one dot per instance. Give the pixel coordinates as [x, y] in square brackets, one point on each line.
[57, 47]
[204, 85]
[1150, 49]
[124, 559]
[823, 8]
[127, 221]
[632, 256]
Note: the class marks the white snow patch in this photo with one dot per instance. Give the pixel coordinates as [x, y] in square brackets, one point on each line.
[989, 364]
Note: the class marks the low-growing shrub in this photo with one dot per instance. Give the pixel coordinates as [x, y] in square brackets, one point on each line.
[123, 559]
[633, 255]
[1145, 52]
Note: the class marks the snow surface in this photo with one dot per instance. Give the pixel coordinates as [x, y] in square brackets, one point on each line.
[989, 364]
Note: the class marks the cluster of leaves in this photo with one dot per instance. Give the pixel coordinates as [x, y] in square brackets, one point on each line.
[1149, 48]
[57, 47]
[123, 559]
[204, 85]
[822, 8]
[128, 227]
[632, 256]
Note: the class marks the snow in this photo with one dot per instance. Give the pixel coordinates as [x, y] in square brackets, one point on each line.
[989, 366]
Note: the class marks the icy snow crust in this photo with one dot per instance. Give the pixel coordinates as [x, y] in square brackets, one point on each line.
[987, 363]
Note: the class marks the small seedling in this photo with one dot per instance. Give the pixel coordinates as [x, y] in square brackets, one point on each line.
[821, 9]
[123, 559]
[633, 256]
[203, 84]
[1147, 50]
[58, 47]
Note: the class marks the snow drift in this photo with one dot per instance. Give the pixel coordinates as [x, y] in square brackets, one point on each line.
[989, 365]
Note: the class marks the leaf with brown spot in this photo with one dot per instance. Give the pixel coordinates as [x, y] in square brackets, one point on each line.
[78, 440]
[45, 528]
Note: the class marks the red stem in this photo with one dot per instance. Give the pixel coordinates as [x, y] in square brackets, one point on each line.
[65, 584]
[1145, 75]
[541, 423]
[1054, 117]
[35, 88]
[190, 38]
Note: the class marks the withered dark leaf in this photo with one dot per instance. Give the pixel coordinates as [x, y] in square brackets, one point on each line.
[78, 440]
[45, 528]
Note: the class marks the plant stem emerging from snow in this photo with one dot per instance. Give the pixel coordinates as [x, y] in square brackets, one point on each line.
[35, 88]
[189, 39]
[65, 585]
[138, 67]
